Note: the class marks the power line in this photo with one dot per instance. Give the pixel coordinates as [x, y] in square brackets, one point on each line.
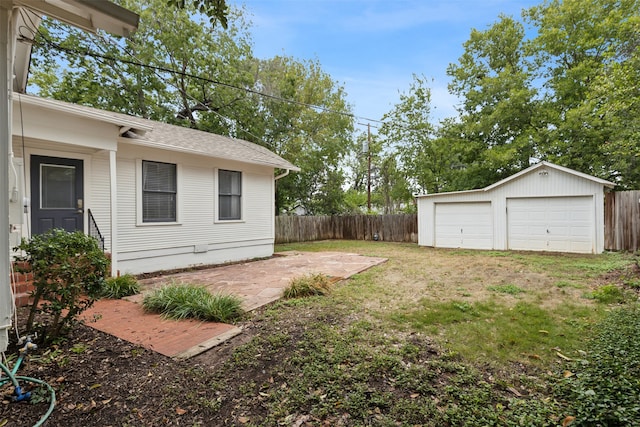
[96, 55]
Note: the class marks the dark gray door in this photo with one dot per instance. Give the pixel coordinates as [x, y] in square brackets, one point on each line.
[57, 199]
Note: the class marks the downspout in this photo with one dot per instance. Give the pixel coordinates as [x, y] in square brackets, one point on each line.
[282, 175]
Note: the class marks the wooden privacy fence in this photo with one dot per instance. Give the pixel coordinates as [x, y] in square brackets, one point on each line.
[389, 228]
[622, 221]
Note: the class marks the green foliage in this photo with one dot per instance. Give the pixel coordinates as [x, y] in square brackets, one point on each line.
[608, 294]
[315, 139]
[603, 388]
[506, 289]
[119, 287]
[68, 274]
[309, 285]
[216, 10]
[181, 301]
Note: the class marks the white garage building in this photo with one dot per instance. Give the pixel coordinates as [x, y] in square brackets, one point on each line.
[545, 207]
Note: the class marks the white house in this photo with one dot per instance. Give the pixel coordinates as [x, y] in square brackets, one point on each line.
[545, 207]
[162, 196]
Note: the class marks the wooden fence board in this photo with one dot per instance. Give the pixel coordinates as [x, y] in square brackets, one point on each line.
[390, 228]
[622, 221]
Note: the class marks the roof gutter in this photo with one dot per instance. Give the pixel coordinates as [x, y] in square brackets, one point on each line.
[282, 175]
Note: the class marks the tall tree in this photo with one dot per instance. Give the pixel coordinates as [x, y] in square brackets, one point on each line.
[407, 129]
[498, 114]
[312, 130]
[106, 73]
[207, 78]
[583, 47]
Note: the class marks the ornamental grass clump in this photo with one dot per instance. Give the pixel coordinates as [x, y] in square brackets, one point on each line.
[182, 301]
[120, 287]
[308, 285]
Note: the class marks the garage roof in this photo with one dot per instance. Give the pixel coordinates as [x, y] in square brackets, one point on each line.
[530, 169]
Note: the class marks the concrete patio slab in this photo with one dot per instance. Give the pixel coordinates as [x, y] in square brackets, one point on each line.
[257, 283]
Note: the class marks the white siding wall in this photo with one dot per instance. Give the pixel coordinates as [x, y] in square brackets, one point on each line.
[100, 195]
[196, 238]
[554, 183]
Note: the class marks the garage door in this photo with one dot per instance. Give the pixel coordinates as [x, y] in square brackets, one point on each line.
[464, 225]
[559, 224]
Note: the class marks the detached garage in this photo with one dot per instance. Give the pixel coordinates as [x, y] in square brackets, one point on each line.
[545, 207]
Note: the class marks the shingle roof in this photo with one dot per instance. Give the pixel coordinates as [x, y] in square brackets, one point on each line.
[174, 138]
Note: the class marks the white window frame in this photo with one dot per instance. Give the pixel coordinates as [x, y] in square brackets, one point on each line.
[216, 198]
[139, 199]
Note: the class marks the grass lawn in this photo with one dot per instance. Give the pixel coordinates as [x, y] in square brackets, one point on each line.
[432, 337]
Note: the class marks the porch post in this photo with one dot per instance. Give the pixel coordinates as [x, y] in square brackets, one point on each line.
[6, 71]
[114, 212]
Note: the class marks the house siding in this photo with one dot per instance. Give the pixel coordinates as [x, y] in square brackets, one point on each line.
[196, 238]
[58, 129]
[99, 187]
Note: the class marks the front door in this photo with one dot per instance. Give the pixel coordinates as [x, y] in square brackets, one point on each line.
[57, 199]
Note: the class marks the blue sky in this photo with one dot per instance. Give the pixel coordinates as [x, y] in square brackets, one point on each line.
[373, 47]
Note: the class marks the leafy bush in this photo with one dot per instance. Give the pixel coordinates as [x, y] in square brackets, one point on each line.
[604, 388]
[180, 301]
[608, 294]
[308, 285]
[120, 287]
[68, 274]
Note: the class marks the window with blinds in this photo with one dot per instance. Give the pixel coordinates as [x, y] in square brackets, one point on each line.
[159, 189]
[229, 195]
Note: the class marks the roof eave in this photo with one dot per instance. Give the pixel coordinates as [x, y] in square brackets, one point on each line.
[92, 114]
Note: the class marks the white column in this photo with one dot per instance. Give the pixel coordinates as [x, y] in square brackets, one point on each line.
[113, 187]
[6, 72]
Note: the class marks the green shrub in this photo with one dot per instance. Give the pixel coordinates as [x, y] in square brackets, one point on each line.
[181, 301]
[68, 274]
[308, 285]
[608, 294]
[120, 287]
[604, 388]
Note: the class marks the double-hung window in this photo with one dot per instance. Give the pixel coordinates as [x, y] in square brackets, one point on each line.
[159, 191]
[229, 195]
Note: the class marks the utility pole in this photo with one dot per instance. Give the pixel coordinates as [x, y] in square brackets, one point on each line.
[369, 167]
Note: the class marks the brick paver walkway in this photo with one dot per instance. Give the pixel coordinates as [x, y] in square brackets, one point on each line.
[257, 283]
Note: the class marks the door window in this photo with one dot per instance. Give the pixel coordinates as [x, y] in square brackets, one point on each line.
[58, 187]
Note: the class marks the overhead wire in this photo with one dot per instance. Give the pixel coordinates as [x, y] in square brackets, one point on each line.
[156, 68]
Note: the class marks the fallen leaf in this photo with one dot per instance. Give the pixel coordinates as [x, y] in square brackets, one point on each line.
[568, 420]
[562, 356]
[95, 386]
[567, 374]
[60, 380]
[104, 402]
[542, 331]
[181, 411]
[514, 391]
[243, 420]
[414, 395]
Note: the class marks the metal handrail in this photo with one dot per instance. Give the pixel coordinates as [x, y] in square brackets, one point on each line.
[94, 231]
